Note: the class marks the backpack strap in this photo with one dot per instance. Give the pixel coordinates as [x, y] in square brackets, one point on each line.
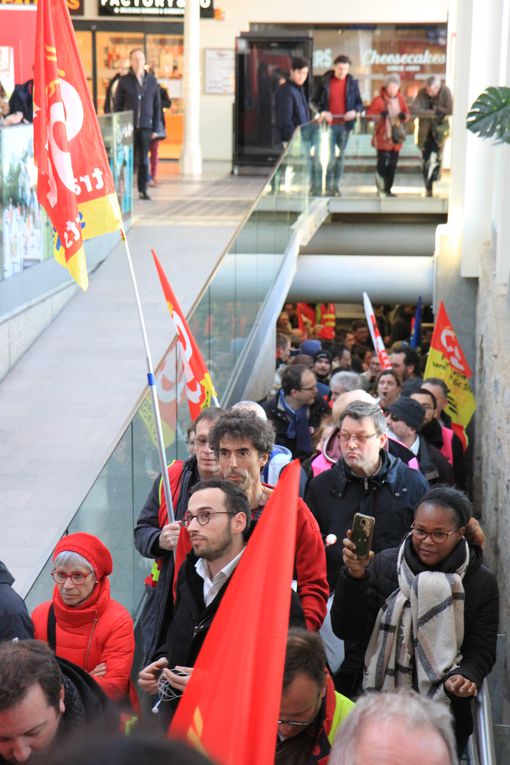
[52, 628]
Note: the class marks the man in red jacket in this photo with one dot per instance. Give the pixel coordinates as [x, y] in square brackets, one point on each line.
[242, 443]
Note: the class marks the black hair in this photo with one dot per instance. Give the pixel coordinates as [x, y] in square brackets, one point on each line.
[291, 377]
[298, 62]
[243, 425]
[342, 59]
[451, 499]
[425, 392]
[24, 663]
[305, 655]
[236, 500]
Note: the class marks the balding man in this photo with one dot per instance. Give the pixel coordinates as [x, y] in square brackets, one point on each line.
[432, 106]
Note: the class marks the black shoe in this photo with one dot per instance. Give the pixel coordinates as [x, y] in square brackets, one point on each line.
[389, 194]
[144, 195]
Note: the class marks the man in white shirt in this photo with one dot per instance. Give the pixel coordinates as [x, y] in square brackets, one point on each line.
[218, 514]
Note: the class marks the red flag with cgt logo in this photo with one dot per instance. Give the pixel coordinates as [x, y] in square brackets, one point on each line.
[447, 361]
[199, 386]
[74, 184]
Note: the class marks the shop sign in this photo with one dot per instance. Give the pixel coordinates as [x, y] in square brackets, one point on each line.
[410, 61]
[75, 6]
[152, 8]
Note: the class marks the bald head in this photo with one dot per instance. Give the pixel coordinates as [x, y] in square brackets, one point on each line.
[347, 398]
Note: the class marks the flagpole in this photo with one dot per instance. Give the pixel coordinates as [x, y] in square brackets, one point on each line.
[151, 380]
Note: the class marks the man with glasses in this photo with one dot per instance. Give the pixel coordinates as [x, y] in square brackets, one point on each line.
[297, 410]
[218, 518]
[366, 479]
[311, 711]
[242, 443]
[156, 538]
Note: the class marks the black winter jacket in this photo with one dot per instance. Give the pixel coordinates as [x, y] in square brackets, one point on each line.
[357, 603]
[15, 621]
[143, 100]
[320, 97]
[318, 410]
[390, 496]
[158, 605]
[292, 109]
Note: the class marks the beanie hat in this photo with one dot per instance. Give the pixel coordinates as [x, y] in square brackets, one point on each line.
[323, 355]
[91, 548]
[409, 411]
[310, 347]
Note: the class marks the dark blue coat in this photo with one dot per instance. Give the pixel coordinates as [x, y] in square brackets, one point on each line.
[143, 100]
[292, 109]
[320, 98]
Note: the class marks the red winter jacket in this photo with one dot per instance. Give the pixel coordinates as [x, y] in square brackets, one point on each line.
[99, 630]
[380, 139]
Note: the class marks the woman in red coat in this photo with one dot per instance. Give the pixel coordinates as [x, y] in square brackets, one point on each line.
[392, 112]
[87, 626]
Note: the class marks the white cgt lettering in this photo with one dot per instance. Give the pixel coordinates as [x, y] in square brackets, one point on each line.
[69, 113]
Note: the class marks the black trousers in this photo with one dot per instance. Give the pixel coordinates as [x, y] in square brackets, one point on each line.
[386, 166]
[142, 139]
[432, 156]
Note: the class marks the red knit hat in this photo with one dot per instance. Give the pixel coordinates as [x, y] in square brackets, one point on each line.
[91, 548]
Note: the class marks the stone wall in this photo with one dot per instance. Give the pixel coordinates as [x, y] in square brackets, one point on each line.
[492, 448]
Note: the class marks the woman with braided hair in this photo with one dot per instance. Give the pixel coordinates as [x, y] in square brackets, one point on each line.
[426, 612]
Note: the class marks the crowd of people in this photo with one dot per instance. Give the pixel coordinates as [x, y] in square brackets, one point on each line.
[336, 99]
[416, 615]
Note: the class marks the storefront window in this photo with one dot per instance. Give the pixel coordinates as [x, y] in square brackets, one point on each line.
[112, 53]
[165, 56]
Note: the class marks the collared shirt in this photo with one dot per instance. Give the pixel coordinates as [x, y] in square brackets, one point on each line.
[415, 448]
[214, 585]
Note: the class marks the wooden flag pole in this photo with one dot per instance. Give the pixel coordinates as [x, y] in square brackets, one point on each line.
[152, 387]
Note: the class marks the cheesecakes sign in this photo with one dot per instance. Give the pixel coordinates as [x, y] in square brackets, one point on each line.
[151, 7]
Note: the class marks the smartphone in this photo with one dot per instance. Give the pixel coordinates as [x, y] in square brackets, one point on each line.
[362, 533]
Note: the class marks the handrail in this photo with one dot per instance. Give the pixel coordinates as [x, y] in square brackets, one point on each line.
[483, 737]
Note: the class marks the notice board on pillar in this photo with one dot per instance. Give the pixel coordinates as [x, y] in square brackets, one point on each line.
[219, 71]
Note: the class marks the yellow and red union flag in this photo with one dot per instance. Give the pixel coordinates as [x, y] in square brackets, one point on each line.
[231, 704]
[447, 361]
[199, 386]
[74, 184]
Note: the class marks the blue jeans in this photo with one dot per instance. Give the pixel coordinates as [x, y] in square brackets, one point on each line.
[338, 136]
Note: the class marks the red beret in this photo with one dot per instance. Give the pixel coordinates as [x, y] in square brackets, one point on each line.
[91, 548]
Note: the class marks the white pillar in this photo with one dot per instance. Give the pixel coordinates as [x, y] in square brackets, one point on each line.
[191, 155]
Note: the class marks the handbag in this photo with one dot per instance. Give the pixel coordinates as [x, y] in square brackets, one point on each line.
[161, 130]
[398, 134]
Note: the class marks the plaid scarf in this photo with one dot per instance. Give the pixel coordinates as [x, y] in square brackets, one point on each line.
[419, 630]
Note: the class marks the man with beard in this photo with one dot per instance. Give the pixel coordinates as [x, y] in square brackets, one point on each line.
[242, 443]
[437, 434]
[156, 538]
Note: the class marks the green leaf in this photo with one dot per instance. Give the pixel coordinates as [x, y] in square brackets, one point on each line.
[489, 116]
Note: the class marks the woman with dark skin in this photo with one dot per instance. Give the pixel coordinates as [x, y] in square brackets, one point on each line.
[427, 612]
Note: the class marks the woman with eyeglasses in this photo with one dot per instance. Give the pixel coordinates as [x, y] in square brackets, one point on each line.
[427, 611]
[82, 623]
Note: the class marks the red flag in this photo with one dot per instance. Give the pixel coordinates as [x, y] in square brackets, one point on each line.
[447, 361]
[382, 354]
[181, 551]
[199, 386]
[306, 317]
[230, 707]
[74, 182]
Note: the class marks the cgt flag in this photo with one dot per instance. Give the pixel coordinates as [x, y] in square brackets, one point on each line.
[199, 386]
[447, 362]
[378, 343]
[74, 184]
[230, 707]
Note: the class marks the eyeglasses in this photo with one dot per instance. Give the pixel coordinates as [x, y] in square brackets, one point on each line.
[359, 438]
[303, 723]
[203, 516]
[310, 387]
[439, 537]
[76, 577]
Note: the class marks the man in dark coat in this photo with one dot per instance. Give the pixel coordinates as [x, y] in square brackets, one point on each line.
[43, 699]
[432, 106]
[138, 91]
[15, 621]
[297, 410]
[337, 93]
[366, 479]
[292, 108]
